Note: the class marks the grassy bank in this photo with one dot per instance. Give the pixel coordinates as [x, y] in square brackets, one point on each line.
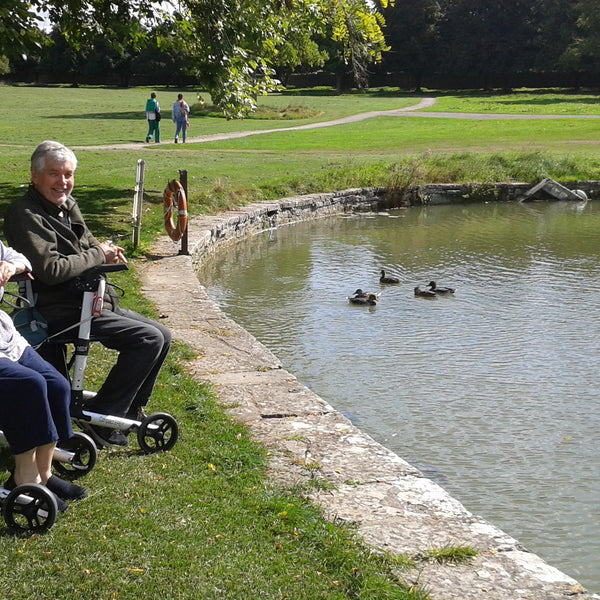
[204, 521]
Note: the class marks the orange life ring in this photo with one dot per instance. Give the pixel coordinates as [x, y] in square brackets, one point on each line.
[175, 202]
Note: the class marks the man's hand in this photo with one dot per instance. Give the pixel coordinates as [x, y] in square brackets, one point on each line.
[113, 253]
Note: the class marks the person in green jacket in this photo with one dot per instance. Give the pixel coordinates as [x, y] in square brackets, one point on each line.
[153, 118]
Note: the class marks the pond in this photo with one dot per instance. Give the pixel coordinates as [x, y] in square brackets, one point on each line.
[493, 392]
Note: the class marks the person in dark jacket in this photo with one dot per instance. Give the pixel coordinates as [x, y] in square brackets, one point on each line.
[47, 226]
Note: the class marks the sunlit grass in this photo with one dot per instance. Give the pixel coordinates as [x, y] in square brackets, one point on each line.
[524, 102]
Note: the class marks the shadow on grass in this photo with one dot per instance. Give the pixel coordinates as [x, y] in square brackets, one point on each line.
[103, 208]
[8, 193]
[6, 463]
[104, 211]
[127, 115]
[549, 101]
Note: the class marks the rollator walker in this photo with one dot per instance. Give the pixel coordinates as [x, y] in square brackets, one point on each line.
[29, 508]
[32, 508]
[76, 456]
[156, 432]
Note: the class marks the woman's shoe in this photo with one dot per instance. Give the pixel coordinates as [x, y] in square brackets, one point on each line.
[65, 489]
[62, 506]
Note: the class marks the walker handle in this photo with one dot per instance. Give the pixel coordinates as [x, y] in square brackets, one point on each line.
[108, 268]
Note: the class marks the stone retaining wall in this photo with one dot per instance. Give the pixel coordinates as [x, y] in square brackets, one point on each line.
[394, 507]
[237, 224]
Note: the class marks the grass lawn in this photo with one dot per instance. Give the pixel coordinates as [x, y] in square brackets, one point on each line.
[525, 102]
[88, 116]
[204, 521]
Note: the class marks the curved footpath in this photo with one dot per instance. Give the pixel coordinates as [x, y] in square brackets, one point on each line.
[393, 505]
[407, 111]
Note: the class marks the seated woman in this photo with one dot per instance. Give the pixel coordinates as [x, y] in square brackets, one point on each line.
[34, 401]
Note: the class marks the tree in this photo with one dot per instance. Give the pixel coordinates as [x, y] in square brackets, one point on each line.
[17, 27]
[296, 52]
[481, 38]
[556, 28]
[232, 45]
[237, 42]
[412, 32]
[584, 52]
[357, 28]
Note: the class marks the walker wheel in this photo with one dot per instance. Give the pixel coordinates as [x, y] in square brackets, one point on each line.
[85, 455]
[30, 508]
[157, 433]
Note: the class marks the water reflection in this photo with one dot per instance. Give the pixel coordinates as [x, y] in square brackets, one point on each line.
[493, 392]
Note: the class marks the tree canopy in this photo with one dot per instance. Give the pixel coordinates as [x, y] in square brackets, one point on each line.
[478, 38]
[231, 45]
[240, 49]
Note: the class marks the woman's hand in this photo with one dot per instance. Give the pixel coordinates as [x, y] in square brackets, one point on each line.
[7, 270]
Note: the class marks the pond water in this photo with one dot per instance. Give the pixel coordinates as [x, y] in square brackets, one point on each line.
[494, 392]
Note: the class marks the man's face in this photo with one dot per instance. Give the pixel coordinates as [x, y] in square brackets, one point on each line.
[55, 182]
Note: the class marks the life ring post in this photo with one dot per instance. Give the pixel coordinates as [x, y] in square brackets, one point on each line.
[184, 238]
[175, 211]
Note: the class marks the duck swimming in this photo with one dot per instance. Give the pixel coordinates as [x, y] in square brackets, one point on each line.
[387, 278]
[360, 297]
[367, 299]
[424, 291]
[440, 290]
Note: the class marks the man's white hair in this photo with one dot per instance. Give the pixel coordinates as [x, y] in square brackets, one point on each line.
[54, 151]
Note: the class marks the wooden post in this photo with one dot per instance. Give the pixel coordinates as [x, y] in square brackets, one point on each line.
[138, 198]
[184, 237]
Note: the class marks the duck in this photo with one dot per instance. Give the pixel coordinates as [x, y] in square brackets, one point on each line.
[387, 278]
[368, 298]
[424, 291]
[360, 297]
[440, 290]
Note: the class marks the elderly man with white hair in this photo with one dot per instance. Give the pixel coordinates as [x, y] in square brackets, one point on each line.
[47, 226]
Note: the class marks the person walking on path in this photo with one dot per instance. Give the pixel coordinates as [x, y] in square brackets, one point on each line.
[181, 110]
[153, 118]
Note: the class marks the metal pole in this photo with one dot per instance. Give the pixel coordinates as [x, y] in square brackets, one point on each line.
[138, 198]
[184, 184]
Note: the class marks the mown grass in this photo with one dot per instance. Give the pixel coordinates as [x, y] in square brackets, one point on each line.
[382, 151]
[525, 102]
[227, 173]
[199, 522]
[205, 521]
[92, 115]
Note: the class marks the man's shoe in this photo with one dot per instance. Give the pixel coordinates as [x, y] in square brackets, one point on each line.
[147, 139]
[136, 414]
[103, 436]
[176, 140]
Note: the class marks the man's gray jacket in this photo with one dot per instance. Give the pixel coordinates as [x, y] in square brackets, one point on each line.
[59, 246]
